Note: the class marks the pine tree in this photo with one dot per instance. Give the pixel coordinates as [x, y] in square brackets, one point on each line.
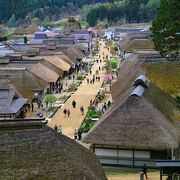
[166, 29]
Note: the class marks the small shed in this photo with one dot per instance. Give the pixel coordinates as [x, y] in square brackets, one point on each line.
[169, 168]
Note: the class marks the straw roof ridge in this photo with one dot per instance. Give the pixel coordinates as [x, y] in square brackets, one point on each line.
[44, 153]
[129, 70]
[141, 122]
[24, 83]
[43, 72]
[58, 62]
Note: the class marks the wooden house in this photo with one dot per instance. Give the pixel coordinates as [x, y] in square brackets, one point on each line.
[141, 126]
[11, 105]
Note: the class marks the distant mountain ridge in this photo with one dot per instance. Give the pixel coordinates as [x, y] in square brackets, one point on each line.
[40, 8]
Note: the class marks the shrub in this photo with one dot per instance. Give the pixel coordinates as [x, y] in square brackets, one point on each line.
[50, 99]
[93, 114]
[101, 96]
[72, 87]
[88, 125]
[80, 77]
[90, 113]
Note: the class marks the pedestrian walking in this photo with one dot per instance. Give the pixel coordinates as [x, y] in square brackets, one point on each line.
[105, 107]
[99, 68]
[100, 61]
[90, 72]
[96, 78]
[93, 80]
[99, 78]
[91, 102]
[144, 169]
[87, 80]
[68, 112]
[59, 130]
[109, 103]
[79, 134]
[75, 134]
[65, 112]
[73, 77]
[55, 127]
[82, 110]
[74, 104]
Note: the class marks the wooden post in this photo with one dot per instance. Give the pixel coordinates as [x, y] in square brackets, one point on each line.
[141, 176]
[160, 174]
[175, 176]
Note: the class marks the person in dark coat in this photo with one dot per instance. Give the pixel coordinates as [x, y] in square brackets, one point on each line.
[144, 169]
[109, 103]
[68, 112]
[82, 110]
[65, 112]
[74, 104]
[75, 134]
[79, 134]
[55, 127]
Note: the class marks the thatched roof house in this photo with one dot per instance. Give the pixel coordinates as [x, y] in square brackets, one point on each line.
[133, 41]
[23, 82]
[142, 125]
[65, 58]
[42, 153]
[43, 72]
[73, 53]
[129, 70]
[39, 70]
[10, 103]
[57, 61]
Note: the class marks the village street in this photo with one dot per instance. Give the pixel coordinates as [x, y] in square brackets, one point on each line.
[82, 96]
[152, 175]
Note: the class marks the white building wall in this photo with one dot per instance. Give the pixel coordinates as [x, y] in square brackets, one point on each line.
[106, 152]
[123, 157]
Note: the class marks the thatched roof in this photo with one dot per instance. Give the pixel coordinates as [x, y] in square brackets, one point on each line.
[24, 83]
[147, 121]
[73, 53]
[43, 72]
[57, 61]
[133, 41]
[65, 58]
[52, 67]
[81, 47]
[37, 68]
[129, 70]
[6, 84]
[138, 44]
[43, 153]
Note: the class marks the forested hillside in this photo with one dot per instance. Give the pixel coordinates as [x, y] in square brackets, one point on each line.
[16, 12]
[20, 9]
[127, 10]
